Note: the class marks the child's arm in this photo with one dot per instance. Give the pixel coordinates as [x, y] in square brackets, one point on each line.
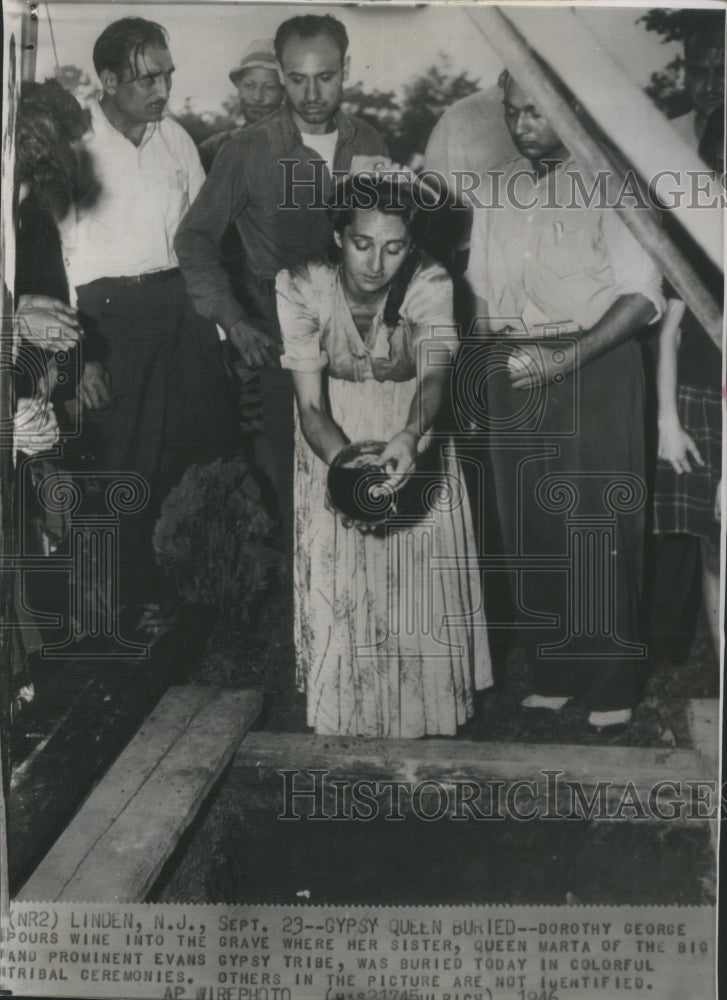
[675, 445]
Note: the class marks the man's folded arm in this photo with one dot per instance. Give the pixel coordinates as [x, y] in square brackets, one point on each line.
[198, 241]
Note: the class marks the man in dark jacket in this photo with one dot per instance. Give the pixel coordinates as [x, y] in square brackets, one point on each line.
[273, 181]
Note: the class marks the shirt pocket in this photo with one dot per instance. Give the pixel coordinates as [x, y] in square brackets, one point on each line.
[177, 195]
[563, 247]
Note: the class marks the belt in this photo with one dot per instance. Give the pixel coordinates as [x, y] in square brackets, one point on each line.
[141, 279]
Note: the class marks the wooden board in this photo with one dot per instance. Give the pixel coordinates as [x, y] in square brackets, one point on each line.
[704, 728]
[448, 761]
[117, 843]
[84, 715]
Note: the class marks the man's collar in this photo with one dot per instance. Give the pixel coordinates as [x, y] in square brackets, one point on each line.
[101, 123]
[291, 132]
[520, 162]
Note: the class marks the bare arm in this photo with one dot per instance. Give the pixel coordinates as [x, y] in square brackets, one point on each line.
[675, 445]
[399, 456]
[666, 372]
[536, 366]
[322, 434]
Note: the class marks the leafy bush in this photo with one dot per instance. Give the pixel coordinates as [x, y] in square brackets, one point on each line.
[215, 541]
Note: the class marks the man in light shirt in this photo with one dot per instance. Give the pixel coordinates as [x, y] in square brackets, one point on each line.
[153, 383]
[566, 415]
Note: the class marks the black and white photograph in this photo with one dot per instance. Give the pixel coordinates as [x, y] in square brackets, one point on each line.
[362, 545]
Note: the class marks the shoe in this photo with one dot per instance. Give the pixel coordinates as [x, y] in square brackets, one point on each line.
[543, 701]
[618, 717]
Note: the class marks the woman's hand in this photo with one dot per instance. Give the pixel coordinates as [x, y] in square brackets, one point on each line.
[676, 446]
[398, 459]
[35, 428]
[47, 322]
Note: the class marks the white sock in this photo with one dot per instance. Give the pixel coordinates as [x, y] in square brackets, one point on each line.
[543, 701]
[618, 717]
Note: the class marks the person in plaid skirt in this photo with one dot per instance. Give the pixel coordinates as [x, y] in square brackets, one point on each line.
[687, 487]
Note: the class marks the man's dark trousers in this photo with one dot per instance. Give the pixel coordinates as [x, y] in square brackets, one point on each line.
[171, 405]
[568, 461]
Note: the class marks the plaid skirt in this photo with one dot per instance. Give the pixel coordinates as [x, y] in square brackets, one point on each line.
[684, 503]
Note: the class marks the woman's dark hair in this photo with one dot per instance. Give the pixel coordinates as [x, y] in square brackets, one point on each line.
[119, 45]
[390, 195]
[49, 121]
[311, 26]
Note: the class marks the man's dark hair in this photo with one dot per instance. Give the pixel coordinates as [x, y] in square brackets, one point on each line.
[311, 26]
[119, 45]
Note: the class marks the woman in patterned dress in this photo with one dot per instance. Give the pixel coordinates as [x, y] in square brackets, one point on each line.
[390, 631]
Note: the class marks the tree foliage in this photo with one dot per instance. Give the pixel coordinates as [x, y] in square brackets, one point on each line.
[202, 126]
[407, 124]
[666, 87]
[676, 25]
[377, 107]
[425, 100]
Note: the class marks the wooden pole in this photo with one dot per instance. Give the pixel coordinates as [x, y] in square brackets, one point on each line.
[534, 78]
[10, 84]
[28, 44]
[627, 116]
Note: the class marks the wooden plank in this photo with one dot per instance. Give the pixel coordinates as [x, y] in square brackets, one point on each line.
[90, 710]
[123, 861]
[123, 780]
[449, 761]
[704, 729]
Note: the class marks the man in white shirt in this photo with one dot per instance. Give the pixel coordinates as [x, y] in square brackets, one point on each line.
[565, 414]
[153, 384]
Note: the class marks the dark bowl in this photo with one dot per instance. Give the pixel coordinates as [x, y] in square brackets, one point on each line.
[354, 486]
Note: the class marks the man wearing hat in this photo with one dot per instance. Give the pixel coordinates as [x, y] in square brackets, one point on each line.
[259, 89]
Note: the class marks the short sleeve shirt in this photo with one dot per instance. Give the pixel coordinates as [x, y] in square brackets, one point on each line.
[319, 332]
